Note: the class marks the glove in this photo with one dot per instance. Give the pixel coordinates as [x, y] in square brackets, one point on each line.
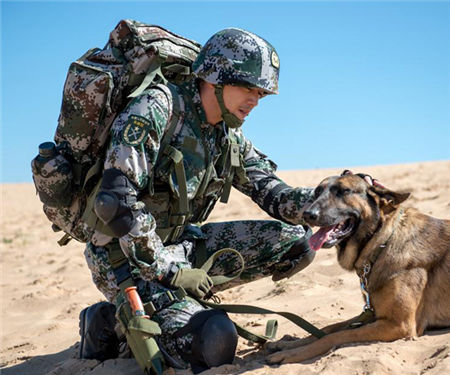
[195, 281]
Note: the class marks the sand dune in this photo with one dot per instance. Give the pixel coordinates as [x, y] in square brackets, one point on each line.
[44, 287]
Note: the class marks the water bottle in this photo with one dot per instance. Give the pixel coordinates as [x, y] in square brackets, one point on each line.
[52, 175]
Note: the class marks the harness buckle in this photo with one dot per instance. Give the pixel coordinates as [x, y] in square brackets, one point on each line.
[165, 299]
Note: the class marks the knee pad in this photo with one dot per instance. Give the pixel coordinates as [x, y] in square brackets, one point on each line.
[116, 202]
[97, 330]
[214, 340]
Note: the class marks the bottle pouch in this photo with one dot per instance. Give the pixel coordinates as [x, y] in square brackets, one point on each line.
[140, 332]
[53, 179]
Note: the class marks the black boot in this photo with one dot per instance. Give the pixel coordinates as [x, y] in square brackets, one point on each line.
[98, 337]
[298, 257]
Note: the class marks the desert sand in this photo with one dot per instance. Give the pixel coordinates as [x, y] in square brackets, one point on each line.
[44, 287]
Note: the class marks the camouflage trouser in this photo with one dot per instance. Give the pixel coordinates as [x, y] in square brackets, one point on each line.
[261, 243]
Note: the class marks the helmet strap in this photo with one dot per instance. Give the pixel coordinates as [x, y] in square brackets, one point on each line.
[231, 120]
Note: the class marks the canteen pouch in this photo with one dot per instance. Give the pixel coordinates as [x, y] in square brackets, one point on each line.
[53, 179]
[140, 332]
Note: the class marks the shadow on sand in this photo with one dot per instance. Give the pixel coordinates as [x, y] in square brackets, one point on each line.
[41, 364]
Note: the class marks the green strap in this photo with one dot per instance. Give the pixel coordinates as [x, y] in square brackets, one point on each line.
[64, 240]
[177, 158]
[271, 327]
[218, 280]
[248, 309]
[153, 70]
[233, 155]
[366, 317]
[93, 171]
[271, 332]
[118, 259]
[183, 70]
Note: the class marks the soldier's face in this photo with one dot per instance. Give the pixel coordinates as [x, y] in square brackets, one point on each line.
[241, 100]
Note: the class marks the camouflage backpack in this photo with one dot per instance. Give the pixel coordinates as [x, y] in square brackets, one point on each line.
[98, 86]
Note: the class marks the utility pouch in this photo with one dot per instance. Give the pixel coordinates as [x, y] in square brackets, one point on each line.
[53, 177]
[140, 332]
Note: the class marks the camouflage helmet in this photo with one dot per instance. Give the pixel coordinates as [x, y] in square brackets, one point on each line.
[235, 56]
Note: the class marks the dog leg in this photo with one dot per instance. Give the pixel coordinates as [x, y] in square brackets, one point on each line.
[275, 346]
[380, 330]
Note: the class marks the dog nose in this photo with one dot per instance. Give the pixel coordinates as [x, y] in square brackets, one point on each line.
[311, 214]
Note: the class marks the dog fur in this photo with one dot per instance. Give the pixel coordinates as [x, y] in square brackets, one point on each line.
[410, 276]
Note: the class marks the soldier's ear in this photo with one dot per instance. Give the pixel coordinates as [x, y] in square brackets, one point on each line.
[388, 199]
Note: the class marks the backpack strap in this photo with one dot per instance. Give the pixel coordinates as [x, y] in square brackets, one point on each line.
[153, 71]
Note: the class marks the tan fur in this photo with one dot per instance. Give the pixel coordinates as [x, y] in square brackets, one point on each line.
[409, 281]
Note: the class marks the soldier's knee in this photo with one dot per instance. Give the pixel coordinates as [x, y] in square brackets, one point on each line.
[214, 340]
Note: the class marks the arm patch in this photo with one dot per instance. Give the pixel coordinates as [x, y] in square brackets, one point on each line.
[136, 130]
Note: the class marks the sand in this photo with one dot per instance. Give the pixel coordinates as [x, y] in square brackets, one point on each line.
[44, 287]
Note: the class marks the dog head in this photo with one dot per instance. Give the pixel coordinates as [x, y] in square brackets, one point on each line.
[348, 211]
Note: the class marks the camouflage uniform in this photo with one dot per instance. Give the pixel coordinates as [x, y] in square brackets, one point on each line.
[135, 150]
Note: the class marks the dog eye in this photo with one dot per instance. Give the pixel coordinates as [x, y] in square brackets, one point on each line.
[342, 191]
[317, 191]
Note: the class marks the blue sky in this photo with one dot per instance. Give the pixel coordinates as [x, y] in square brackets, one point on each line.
[362, 83]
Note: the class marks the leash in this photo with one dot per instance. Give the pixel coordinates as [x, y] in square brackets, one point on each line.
[271, 325]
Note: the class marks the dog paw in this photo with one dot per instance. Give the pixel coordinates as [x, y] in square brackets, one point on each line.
[271, 347]
[276, 358]
[276, 346]
[294, 355]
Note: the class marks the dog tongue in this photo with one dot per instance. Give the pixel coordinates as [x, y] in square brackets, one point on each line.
[319, 238]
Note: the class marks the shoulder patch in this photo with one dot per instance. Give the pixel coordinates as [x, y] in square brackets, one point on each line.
[136, 130]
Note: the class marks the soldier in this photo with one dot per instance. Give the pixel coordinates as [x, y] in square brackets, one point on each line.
[174, 151]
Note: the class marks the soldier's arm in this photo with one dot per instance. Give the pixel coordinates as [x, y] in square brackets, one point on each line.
[131, 155]
[273, 195]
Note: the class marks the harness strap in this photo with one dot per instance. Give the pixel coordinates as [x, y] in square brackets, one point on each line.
[177, 158]
[233, 154]
[120, 266]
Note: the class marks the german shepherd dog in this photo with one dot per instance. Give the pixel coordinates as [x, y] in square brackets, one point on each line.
[401, 256]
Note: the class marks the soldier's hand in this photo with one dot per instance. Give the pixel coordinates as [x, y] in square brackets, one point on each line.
[195, 281]
[366, 177]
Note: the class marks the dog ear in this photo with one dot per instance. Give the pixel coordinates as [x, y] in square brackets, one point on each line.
[389, 200]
